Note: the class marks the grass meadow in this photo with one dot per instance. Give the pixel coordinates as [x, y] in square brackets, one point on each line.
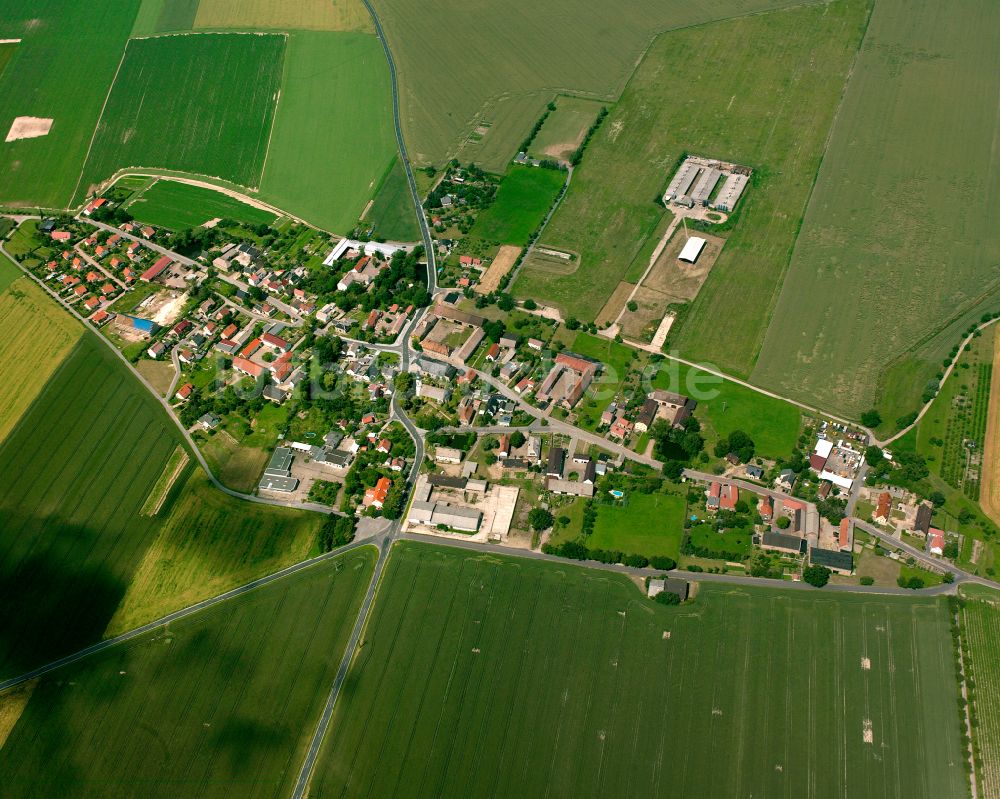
[711, 90]
[392, 213]
[198, 103]
[483, 675]
[333, 137]
[523, 199]
[650, 524]
[726, 406]
[62, 70]
[35, 338]
[894, 261]
[219, 704]
[174, 205]
[164, 16]
[474, 77]
[564, 129]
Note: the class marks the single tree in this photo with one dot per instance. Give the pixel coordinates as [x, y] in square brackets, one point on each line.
[817, 576]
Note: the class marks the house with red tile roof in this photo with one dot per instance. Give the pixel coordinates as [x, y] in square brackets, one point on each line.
[883, 508]
[60, 235]
[728, 497]
[184, 391]
[845, 535]
[250, 348]
[376, 495]
[156, 269]
[248, 367]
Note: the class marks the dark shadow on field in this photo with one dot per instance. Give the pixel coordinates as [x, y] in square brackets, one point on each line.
[50, 608]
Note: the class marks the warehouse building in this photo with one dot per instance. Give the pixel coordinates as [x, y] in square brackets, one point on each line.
[706, 185]
[681, 184]
[731, 191]
[692, 249]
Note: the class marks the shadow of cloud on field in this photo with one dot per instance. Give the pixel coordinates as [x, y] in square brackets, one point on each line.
[51, 608]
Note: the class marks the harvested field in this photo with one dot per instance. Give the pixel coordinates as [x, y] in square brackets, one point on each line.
[504, 60]
[28, 128]
[36, 336]
[614, 305]
[207, 104]
[324, 164]
[586, 688]
[502, 263]
[219, 704]
[989, 493]
[321, 15]
[62, 70]
[929, 75]
[642, 323]
[710, 89]
[676, 279]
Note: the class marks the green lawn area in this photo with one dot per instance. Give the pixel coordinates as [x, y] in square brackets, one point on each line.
[571, 673]
[208, 105]
[726, 406]
[333, 137]
[174, 205]
[650, 524]
[522, 201]
[222, 702]
[392, 215]
[564, 129]
[710, 90]
[62, 70]
[617, 359]
[919, 74]
[736, 541]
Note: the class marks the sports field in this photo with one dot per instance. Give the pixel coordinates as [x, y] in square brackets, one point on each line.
[208, 544]
[523, 198]
[505, 61]
[392, 213]
[650, 524]
[174, 205]
[35, 337]
[333, 138]
[220, 704]
[78, 467]
[201, 103]
[980, 627]
[726, 406]
[326, 15]
[726, 97]
[61, 42]
[483, 675]
[564, 129]
[923, 92]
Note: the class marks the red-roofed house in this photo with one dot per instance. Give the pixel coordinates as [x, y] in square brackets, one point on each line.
[376, 495]
[79, 291]
[229, 331]
[250, 348]
[766, 508]
[935, 541]
[156, 269]
[60, 235]
[275, 342]
[384, 446]
[493, 353]
[248, 367]
[845, 538]
[107, 288]
[184, 391]
[714, 491]
[91, 303]
[93, 205]
[883, 509]
[92, 276]
[729, 496]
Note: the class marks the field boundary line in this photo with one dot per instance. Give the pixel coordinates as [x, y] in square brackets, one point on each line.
[182, 613]
[100, 118]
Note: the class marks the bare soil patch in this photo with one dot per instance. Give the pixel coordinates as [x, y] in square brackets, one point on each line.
[679, 280]
[28, 128]
[643, 322]
[501, 265]
[989, 493]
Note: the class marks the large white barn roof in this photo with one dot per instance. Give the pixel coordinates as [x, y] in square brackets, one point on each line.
[692, 249]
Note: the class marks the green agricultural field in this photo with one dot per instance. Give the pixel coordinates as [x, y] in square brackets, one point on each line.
[174, 205]
[61, 41]
[207, 106]
[496, 64]
[649, 524]
[164, 16]
[523, 199]
[483, 675]
[219, 704]
[726, 97]
[328, 15]
[564, 129]
[908, 272]
[392, 215]
[78, 467]
[35, 337]
[980, 628]
[6, 54]
[333, 135]
[726, 406]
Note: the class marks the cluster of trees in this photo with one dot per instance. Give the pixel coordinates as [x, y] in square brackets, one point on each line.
[671, 442]
[817, 576]
[537, 127]
[738, 443]
[577, 551]
[477, 191]
[909, 469]
[337, 531]
[245, 405]
[540, 519]
[763, 565]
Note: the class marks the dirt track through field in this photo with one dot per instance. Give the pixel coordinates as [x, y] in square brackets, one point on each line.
[989, 495]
